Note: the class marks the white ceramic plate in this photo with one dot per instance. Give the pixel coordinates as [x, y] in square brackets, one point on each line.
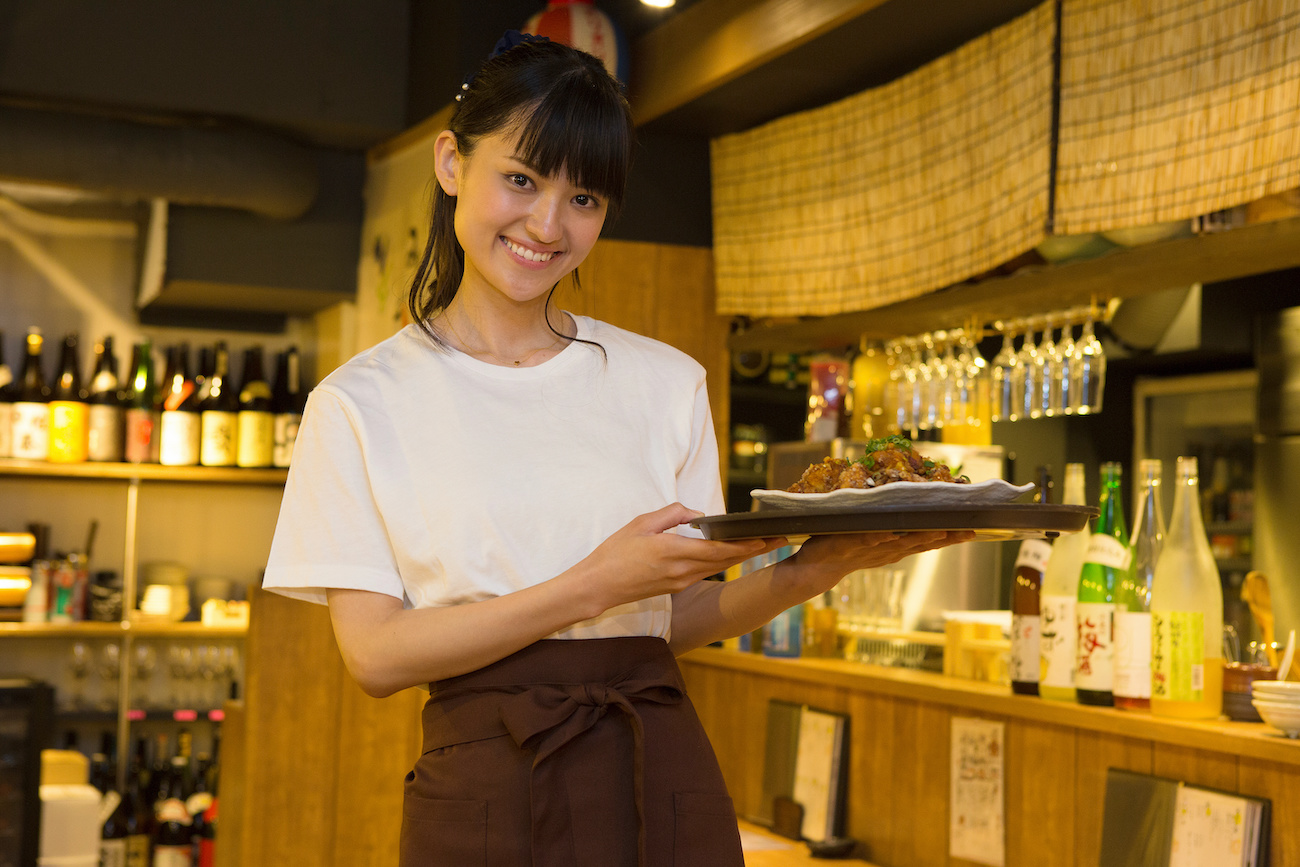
[990, 492]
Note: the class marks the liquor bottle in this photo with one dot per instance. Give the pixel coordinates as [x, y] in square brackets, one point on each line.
[1059, 654]
[180, 417]
[1105, 563]
[1186, 612]
[31, 408]
[142, 440]
[1026, 602]
[199, 805]
[139, 815]
[7, 395]
[256, 422]
[219, 419]
[172, 846]
[114, 835]
[287, 401]
[69, 412]
[105, 418]
[1133, 598]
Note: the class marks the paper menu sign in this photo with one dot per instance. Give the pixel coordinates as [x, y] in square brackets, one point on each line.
[977, 826]
[1212, 829]
[817, 771]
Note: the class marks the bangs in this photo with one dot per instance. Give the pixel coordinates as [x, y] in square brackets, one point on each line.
[576, 130]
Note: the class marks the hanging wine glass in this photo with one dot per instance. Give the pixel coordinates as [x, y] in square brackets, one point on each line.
[79, 668]
[109, 665]
[1062, 368]
[1031, 373]
[1006, 376]
[977, 370]
[893, 386]
[1043, 375]
[1088, 372]
[146, 663]
[963, 383]
[910, 391]
[926, 409]
[951, 373]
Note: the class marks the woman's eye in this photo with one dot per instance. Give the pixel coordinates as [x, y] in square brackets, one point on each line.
[518, 180]
[584, 200]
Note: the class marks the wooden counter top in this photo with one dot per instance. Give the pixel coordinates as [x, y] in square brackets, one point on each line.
[765, 849]
[1256, 740]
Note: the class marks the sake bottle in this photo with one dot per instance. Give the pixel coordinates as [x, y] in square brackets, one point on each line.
[1133, 597]
[1026, 602]
[1186, 612]
[1105, 563]
[1059, 599]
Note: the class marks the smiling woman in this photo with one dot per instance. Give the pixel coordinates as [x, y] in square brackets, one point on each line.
[496, 502]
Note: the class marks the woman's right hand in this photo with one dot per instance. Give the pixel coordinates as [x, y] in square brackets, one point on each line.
[644, 558]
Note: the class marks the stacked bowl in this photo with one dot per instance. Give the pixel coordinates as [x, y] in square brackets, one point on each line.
[1278, 702]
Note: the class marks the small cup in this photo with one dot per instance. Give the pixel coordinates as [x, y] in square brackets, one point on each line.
[1238, 679]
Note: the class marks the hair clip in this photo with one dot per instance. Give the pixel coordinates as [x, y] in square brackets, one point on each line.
[509, 40]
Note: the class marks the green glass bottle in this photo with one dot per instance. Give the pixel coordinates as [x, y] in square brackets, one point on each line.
[1106, 562]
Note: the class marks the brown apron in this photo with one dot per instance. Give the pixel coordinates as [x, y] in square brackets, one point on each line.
[581, 753]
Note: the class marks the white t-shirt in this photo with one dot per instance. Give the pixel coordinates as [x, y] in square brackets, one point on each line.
[437, 478]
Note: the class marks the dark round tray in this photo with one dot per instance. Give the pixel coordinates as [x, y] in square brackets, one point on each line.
[989, 522]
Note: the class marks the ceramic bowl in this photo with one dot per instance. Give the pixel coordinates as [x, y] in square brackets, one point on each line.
[1136, 236]
[1285, 717]
[1275, 690]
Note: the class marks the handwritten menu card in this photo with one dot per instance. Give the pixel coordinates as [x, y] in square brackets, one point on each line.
[977, 830]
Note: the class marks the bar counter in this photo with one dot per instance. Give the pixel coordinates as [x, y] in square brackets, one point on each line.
[1056, 755]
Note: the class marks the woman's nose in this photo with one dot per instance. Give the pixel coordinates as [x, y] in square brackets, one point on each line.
[544, 219]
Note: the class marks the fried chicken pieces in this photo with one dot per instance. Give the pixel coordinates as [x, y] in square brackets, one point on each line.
[891, 459]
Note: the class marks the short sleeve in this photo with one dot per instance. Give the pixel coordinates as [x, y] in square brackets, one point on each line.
[699, 480]
[330, 532]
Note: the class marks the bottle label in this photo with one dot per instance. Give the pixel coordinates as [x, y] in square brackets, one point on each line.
[173, 856]
[112, 853]
[1059, 639]
[1177, 655]
[31, 430]
[179, 441]
[137, 850]
[1034, 554]
[1108, 551]
[219, 439]
[256, 439]
[1096, 646]
[1132, 654]
[141, 436]
[6, 430]
[105, 427]
[69, 424]
[1026, 644]
[284, 434]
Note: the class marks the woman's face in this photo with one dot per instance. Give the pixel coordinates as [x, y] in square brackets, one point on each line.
[521, 231]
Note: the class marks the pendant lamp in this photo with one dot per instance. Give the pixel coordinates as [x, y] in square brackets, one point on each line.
[580, 24]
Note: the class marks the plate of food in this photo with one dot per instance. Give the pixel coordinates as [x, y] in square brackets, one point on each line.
[893, 487]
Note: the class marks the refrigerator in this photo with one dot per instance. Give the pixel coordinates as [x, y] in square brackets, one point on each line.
[1211, 416]
[1277, 464]
[26, 723]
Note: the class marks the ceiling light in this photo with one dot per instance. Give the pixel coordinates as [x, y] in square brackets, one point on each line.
[659, 4]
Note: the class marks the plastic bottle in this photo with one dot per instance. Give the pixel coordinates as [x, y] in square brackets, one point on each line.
[1133, 596]
[1059, 600]
[1186, 612]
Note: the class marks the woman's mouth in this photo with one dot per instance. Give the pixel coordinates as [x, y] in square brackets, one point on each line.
[529, 255]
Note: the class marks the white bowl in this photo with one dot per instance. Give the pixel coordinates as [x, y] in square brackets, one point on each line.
[1276, 689]
[1285, 718]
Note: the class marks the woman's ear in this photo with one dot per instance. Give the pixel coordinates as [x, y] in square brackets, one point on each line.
[446, 162]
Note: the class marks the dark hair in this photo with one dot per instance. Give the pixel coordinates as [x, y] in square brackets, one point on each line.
[571, 116]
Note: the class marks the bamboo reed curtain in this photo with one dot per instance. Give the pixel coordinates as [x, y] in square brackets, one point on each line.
[1170, 109]
[893, 192]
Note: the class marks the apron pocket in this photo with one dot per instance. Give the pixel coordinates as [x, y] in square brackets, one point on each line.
[706, 833]
[443, 832]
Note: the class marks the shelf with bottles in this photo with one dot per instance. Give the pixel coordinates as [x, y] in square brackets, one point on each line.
[119, 471]
[118, 628]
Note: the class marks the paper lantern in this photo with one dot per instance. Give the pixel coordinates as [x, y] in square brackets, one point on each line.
[580, 24]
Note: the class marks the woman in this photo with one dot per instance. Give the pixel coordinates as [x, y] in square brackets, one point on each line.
[493, 503]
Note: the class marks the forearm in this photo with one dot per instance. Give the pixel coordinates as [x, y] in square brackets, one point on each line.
[387, 648]
[714, 610]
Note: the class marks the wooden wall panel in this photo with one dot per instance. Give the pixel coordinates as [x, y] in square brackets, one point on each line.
[872, 807]
[1040, 776]
[1212, 770]
[1264, 779]
[1095, 753]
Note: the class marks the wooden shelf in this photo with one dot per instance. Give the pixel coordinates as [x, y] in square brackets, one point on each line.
[143, 472]
[88, 629]
[1121, 273]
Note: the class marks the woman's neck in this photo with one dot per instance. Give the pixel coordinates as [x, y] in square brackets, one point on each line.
[520, 336]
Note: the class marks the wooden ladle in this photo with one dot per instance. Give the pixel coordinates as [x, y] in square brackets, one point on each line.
[1255, 593]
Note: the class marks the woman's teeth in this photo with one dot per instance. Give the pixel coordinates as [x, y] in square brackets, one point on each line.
[530, 255]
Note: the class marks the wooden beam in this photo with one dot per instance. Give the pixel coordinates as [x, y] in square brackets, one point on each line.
[714, 42]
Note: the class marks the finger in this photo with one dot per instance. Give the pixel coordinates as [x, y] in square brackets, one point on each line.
[670, 516]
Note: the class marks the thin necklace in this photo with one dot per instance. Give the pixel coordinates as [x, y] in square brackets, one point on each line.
[489, 352]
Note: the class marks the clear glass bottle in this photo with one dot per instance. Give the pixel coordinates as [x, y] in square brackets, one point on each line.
[1059, 599]
[1186, 612]
[1133, 597]
[1105, 563]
